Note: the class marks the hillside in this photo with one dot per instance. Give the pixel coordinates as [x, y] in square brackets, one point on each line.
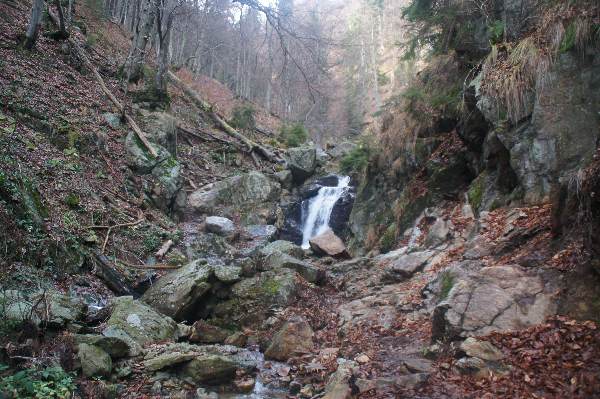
[171, 229]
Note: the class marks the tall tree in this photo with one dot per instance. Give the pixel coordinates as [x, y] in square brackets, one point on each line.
[34, 24]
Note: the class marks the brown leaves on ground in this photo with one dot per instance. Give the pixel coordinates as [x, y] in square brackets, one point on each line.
[558, 359]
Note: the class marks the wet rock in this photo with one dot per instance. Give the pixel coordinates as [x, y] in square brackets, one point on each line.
[205, 333]
[295, 337]
[278, 260]
[137, 324]
[94, 361]
[284, 247]
[176, 293]
[481, 349]
[252, 194]
[328, 244]
[404, 266]
[211, 369]
[245, 384]
[302, 162]
[219, 225]
[479, 301]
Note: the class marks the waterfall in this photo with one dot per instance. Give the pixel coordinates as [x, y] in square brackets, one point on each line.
[316, 211]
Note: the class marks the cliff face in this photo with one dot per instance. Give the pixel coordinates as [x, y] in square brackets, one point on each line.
[509, 130]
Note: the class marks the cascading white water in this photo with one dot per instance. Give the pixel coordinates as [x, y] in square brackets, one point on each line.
[316, 214]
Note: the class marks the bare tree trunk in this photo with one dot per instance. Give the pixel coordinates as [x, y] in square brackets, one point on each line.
[163, 59]
[135, 60]
[61, 18]
[34, 23]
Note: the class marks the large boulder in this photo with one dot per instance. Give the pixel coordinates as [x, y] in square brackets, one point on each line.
[94, 361]
[328, 244]
[211, 365]
[252, 300]
[206, 333]
[294, 338]
[137, 324]
[160, 127]
[278, 260]
[402, 267]
[252, 195]
[177, 293]
[284, 247]
[475, 300]
[219, 225]
[50, 307]
[302, 162]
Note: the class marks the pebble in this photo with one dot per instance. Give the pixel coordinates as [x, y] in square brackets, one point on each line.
[362, 359]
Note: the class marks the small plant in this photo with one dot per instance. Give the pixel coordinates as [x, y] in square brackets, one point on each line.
[72, 200]
[51, 382]
[496, 31]
[357, 159]
[243, 117]
[446, 285]
[294, 135]
[388, 239]
[382, 78]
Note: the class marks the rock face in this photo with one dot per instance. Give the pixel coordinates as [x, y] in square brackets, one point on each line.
[328, 244]
[176, 293]
[295, 337]
[302, 162]
[481, 300]
[62, 309]
[137, 324]
[561, 134]
[219, 225]
[251, 195]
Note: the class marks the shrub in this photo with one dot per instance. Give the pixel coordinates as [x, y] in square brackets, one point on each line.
[243, 117]
[388, 239]
[294, 135]
[51, 382]
[357, 159]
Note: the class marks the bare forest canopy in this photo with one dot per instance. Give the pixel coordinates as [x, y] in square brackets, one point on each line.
[326, 64]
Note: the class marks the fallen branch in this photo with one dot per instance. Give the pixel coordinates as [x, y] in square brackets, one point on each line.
[110, 275]
[134, 126]
[164, 249]
[208, 108]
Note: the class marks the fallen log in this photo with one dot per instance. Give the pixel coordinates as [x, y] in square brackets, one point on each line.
[226, 127]
[110, 275]
[130, 121]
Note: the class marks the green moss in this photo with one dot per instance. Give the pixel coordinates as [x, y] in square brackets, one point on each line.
[72, 200]
[446, 285]
[475, 193]
[568, 41]
[271, 287]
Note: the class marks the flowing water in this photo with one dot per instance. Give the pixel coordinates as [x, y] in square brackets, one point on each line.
[316, 211]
